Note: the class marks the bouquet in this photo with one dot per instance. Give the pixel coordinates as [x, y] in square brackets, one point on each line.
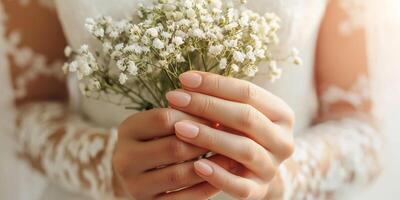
[139, 63]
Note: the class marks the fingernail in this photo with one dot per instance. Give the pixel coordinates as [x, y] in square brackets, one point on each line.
[178, 98]
[186, 130]
[203, 168]
[190, 79]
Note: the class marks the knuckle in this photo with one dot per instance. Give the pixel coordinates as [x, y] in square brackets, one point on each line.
[178, 149]
[244, 193]
[164, 118]
[206, 106]
[248, 92]
[288, 148]
[248, 116]
[177, 176]
[249, 154]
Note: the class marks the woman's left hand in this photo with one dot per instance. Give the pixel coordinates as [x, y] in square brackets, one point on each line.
[256, 130]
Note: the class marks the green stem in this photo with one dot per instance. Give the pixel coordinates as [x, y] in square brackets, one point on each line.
[157, 101]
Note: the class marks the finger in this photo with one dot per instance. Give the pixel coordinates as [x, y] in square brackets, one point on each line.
[241, 117]
[217, 176]
[238, 90]
[153, 123]
[168, 179]
[198, 192]
[250, 154]
[175, 177]
[168, 150]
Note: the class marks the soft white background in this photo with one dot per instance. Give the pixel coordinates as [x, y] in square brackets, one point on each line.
[385, 57]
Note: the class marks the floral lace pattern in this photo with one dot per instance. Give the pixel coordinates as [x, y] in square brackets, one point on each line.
[70, 151]
[322, 161]
[51, 138]
[355, 9]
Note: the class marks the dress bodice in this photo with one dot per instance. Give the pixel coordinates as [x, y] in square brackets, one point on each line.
[300, 25]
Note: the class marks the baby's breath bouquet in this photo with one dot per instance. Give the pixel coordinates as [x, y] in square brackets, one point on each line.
[140, 62]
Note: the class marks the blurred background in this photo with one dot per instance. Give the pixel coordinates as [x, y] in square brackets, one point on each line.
[384, 50]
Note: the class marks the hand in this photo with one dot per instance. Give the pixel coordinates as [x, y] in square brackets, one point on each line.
[258, 131]
[146, 168]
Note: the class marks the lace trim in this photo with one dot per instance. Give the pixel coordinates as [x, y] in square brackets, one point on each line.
[323, 168]
[25, 57]
[356, 96]
[355, 9]
[72, 153]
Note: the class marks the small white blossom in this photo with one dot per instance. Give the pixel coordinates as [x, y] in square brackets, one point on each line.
[132, 68]
[119, 46]
[158, 44]
[73, 66]
[177, 40]
[99, 32]
[216, 50]
[107, 47]
[122, 78]
[235, 68]
[239, 56]
[222, 63]
[84, 49]
[67, 51]
[153, 32]
[121, 65]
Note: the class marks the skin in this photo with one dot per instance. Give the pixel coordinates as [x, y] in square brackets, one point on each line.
[262, 129]
[253, 119]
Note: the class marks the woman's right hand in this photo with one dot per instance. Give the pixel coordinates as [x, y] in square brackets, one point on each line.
[149, 160]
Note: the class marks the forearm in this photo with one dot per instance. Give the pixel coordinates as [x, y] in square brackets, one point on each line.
[65, 148]
[330, 157]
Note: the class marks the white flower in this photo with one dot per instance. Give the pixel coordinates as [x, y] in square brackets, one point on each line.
[119, 46]
[230, 43]
[166, 35]
[73, 66]
[121, 65]
[122, 78]
[251, 71]
[153, 32]
[114, 34]
[65, 68]
[67, 51]
[158, 44]
[222, 63]
[191, 13]
[216, 50]
[132, 68]
[107, 47]
[298, 61]
[84, 49]
[94, 84]
[260, 53]
[177, 40]
[235, 68]
[85, 69]
[239, 56]
[198, 33]
[99, 32]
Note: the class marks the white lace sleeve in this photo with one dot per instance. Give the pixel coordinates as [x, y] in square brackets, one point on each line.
[67, 149]
[342, 150]
[57, 142]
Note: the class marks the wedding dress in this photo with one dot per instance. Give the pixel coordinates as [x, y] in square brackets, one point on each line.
[74, 146]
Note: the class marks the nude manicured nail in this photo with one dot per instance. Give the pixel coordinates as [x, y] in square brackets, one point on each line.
[186, 130]
[203, 168]
[190, 79]
[177, 98]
